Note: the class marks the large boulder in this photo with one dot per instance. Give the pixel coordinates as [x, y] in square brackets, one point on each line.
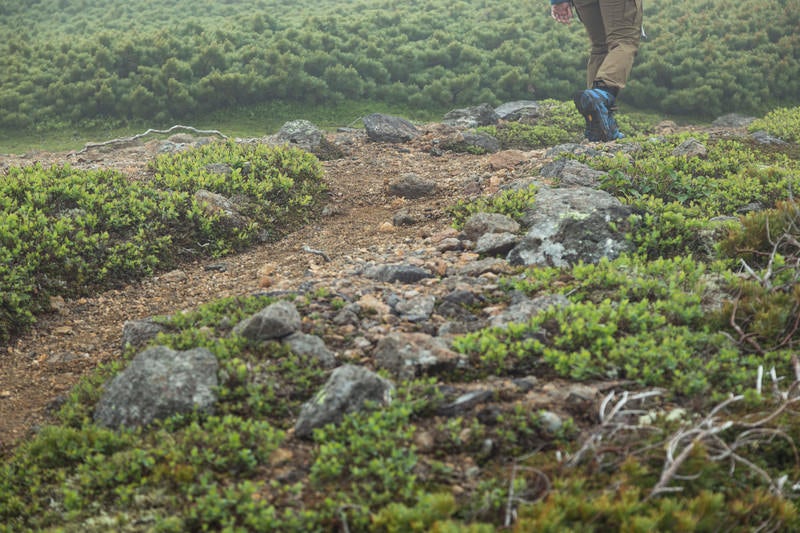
[275, 321]
[471, 117]
[411, 186]
[397, 273]
[471, 142]
[216, 205]
[302, 133]
[408, 355]
[158, 383]
[389, 129]
[309, 137]
[137, 333]
[568, 172]
[484, 222]
[568, 225]
[311, 346]
[519, 109]
[349, 389]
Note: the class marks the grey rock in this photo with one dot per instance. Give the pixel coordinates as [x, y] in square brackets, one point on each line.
[527, 308]
[482, 141]
[457, 305]
[403, 218]
[408, 355]
[567, 225]
[450, 244]
[493, 265]
[347, 315]
[169, 147]
[306, 136]
[762, 137]
[750, 207]
[302, 133]
[496, 243]
[550, 421]
[222, 169]
[482, 223]
[275, 321]
[460, 298]
[158, 383]
[570, 172]
[411, 186]
[471, 117]
[733, 120]
[519, 109]
[476, 142]
[402, 273]
[390, 129]
[465, 402]
[346, 391]
[691, 148]
[311, 345]
[416, 309]
[137, 333]
[572, 148]
[217, 205]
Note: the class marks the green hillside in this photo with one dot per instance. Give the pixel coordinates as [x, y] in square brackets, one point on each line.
[71, 62]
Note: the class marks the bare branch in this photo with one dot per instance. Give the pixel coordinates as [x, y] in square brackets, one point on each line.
[710, 432]
[511, 512]
[89, 146]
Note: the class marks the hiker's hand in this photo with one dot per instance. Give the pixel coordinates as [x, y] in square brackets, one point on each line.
[562, 12]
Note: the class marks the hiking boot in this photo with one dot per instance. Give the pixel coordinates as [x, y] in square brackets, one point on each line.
[596, 107]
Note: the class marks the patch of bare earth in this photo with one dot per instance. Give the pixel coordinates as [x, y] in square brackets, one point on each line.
[40, 367]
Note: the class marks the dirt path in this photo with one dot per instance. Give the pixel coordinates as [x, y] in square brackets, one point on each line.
[38, 369]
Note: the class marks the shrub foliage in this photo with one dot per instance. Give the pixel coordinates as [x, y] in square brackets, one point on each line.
[65, 231]
[76, 61]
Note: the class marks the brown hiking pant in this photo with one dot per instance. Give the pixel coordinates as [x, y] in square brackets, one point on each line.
[614, 28]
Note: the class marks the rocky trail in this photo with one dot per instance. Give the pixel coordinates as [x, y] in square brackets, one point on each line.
[387, 204]
[359, 225]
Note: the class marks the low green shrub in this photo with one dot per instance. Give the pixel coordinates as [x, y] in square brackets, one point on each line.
[570, 508]
[558, 123]
[762, 234]
[528, 137]
[512, 203]
[629, 276]
[65, 231]
[730, 178]
[399, 518]
[763, 313]
[783, 122]
[371, 454]
[631, 319]
[280, 184]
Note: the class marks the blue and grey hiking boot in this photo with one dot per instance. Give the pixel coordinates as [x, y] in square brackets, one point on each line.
[596, 107]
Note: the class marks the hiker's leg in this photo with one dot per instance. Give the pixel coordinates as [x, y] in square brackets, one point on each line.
[622, 20]
[590, 14]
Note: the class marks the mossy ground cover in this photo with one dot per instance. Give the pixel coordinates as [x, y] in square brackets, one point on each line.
[692, 322]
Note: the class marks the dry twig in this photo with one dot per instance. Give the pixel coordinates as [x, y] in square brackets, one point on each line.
[89, 146]
[511, 511]
[611, 421]
[708, 432]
